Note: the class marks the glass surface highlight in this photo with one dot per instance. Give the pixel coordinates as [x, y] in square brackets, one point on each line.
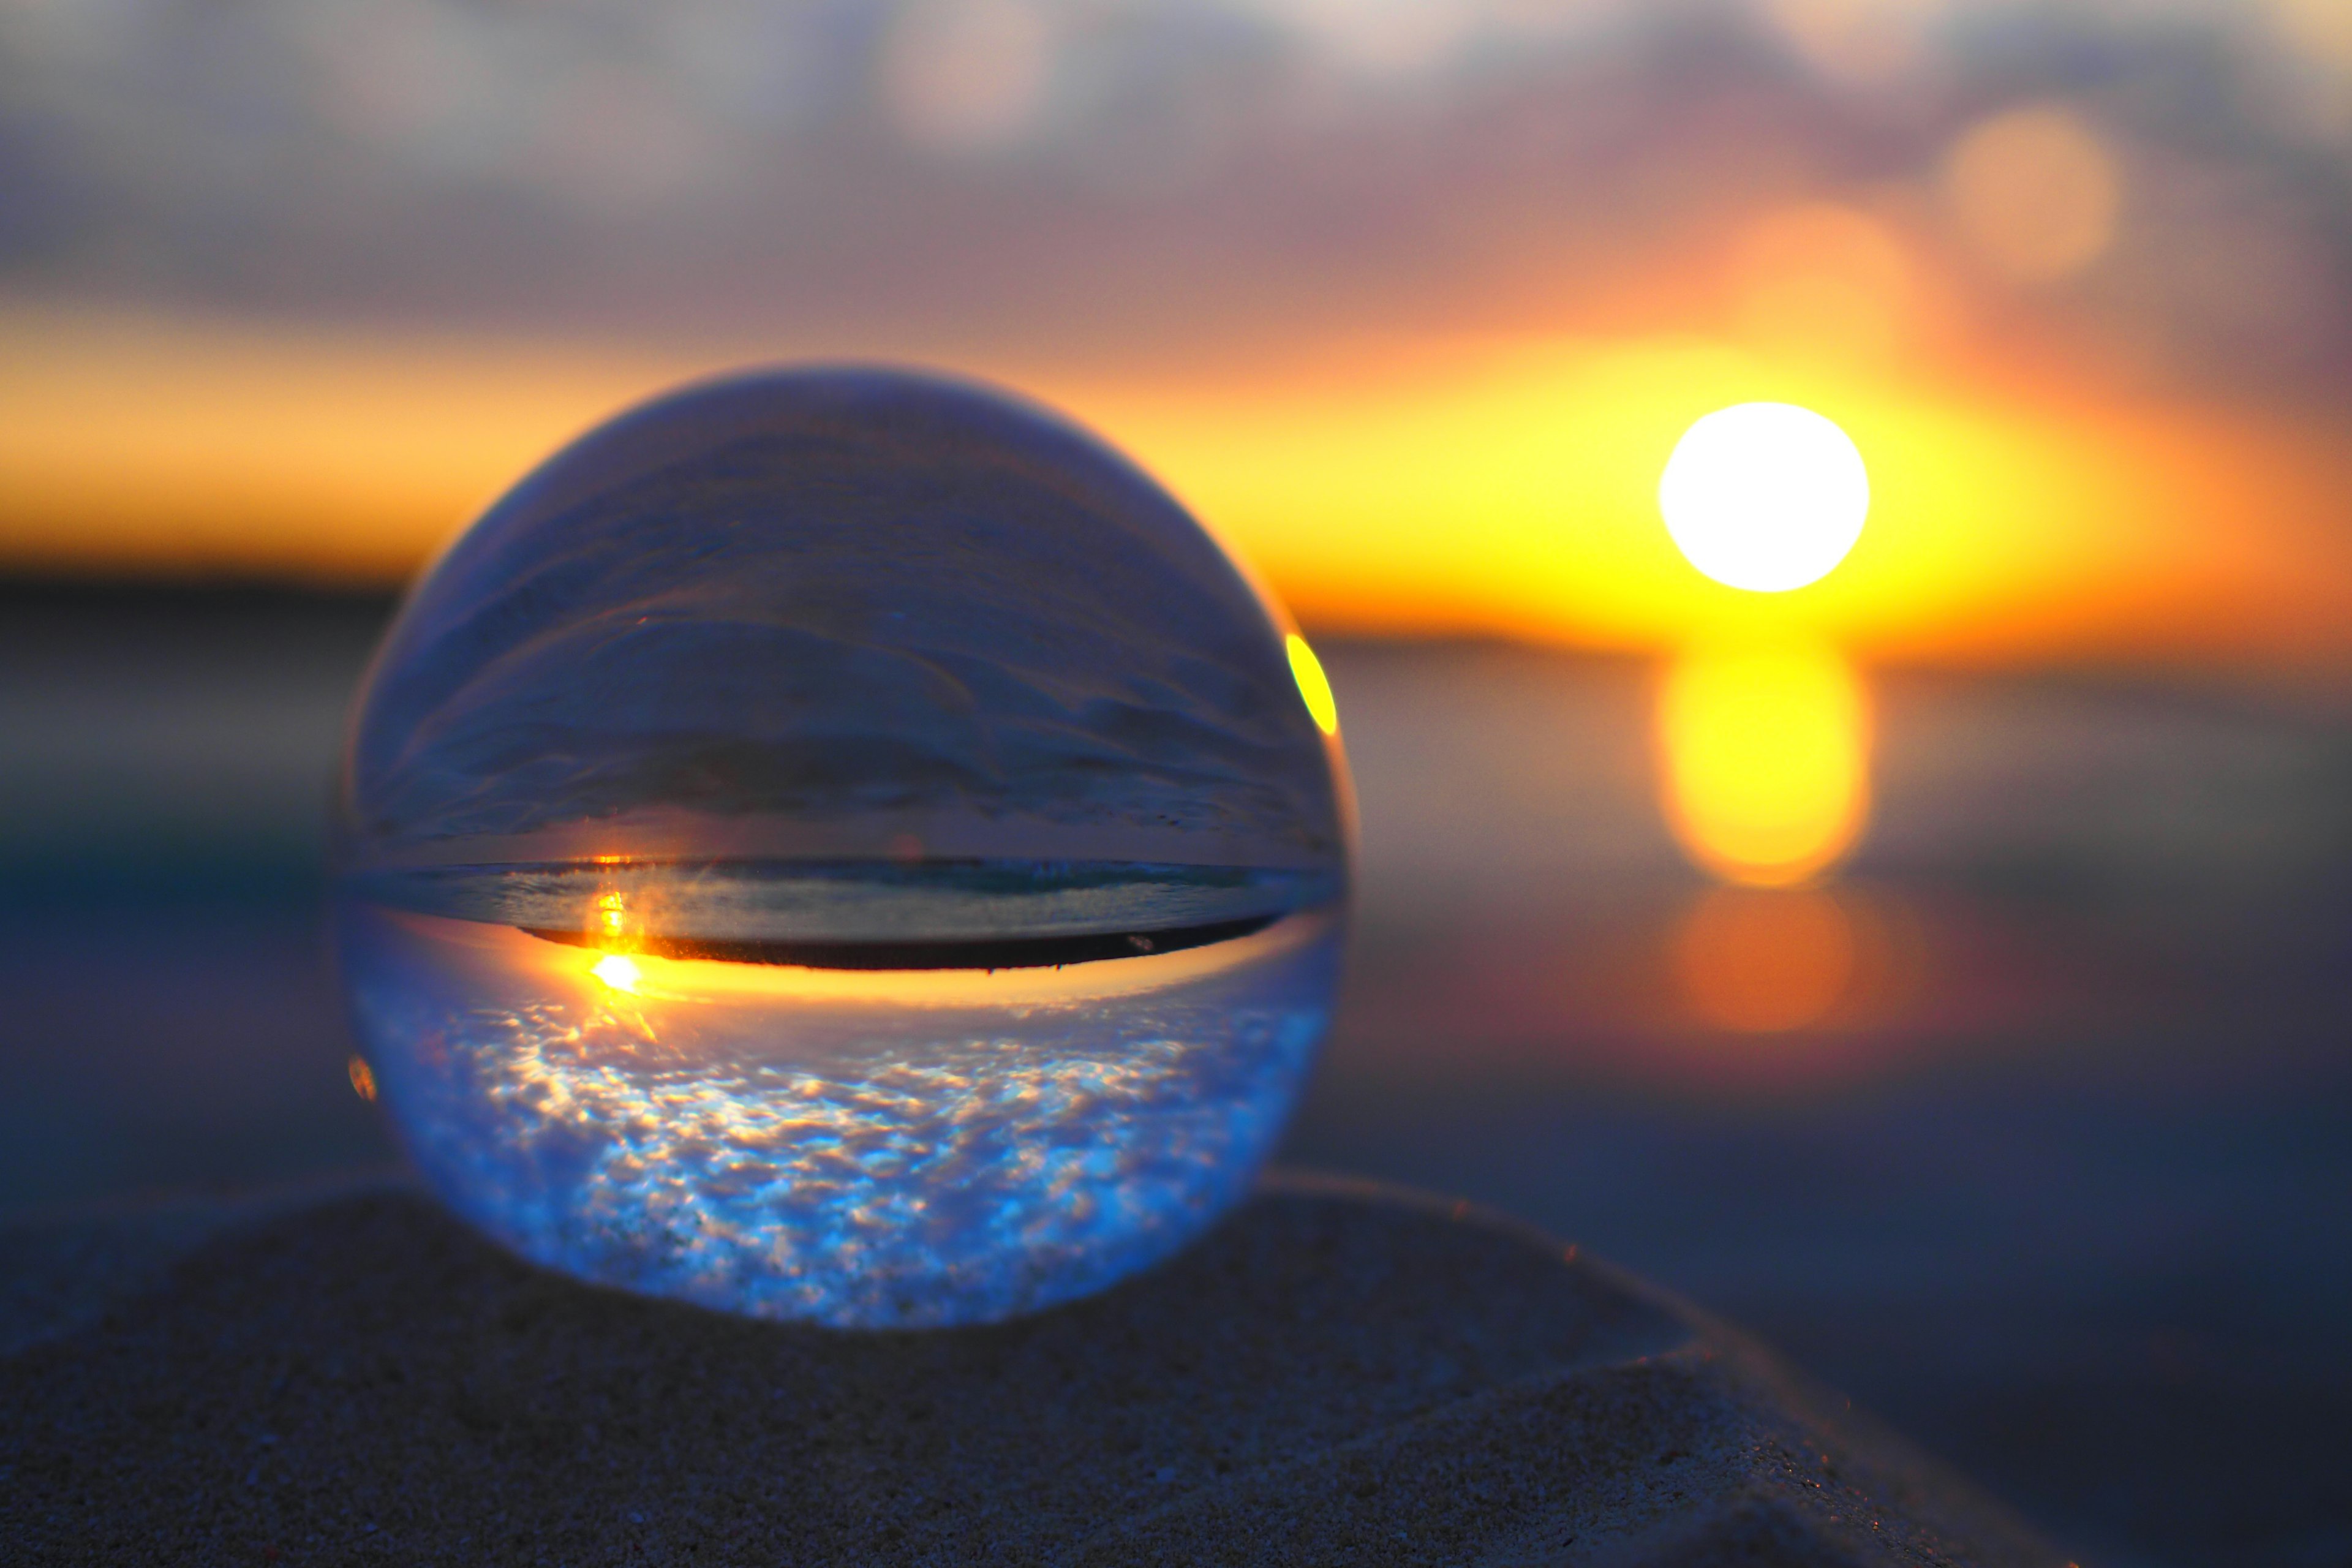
[841, 846]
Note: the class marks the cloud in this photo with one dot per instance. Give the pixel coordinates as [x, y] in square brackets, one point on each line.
[1115, 177]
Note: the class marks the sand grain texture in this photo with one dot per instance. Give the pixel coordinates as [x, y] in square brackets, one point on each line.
[1340, 1374]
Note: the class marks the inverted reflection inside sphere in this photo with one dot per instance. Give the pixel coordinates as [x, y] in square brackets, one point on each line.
[840, 846]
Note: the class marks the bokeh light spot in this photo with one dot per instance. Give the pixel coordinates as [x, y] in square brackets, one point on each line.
[1765, 496]
[1863, 42]
[1759, 960]
[1822, 281]
[966, 76]
[2034, 192]
[1766, 757]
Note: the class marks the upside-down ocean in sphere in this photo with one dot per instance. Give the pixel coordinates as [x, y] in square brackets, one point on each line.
[841, 846]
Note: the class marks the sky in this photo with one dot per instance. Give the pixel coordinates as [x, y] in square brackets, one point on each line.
[1410, 301]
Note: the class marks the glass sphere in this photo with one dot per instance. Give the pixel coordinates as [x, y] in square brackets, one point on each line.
[841, 846]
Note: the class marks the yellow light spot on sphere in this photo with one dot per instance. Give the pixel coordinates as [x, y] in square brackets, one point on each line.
[1307, 670]
[1765, 496]
[363, 1077]
[618, 971]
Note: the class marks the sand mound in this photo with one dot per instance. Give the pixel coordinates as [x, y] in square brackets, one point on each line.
[1339, 1375]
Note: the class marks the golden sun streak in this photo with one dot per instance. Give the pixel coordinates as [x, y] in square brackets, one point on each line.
[1765, 753]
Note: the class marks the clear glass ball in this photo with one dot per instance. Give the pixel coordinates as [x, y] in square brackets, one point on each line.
[842, 846]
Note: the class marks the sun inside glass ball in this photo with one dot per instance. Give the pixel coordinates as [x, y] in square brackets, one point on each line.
[841, 846]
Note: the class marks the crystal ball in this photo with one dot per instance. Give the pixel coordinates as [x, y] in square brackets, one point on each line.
[842, 846]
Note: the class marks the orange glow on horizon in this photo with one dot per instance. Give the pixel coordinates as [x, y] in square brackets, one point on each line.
[1766, 756]
[1412, 487]
[1513, 490]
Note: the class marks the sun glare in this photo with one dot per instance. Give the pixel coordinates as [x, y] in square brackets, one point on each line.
[1764, 496]
[618, 971]
[1766, 757]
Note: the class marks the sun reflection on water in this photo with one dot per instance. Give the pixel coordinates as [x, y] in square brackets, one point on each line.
[1764, 961]
[1765, 756]
[618, 971]
[1778, 960]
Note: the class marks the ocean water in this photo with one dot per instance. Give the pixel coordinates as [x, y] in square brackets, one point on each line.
[2054, 1217]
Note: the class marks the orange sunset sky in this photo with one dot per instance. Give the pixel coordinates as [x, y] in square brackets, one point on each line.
[1414, 328]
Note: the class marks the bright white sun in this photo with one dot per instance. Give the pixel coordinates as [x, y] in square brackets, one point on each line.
[1765, 496]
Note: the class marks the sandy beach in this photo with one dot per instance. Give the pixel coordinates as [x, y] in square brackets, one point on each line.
[1341, 1373]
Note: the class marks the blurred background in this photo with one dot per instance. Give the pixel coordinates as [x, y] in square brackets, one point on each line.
[1941, 968]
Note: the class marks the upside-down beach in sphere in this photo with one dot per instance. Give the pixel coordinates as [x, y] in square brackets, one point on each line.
[841, 846]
